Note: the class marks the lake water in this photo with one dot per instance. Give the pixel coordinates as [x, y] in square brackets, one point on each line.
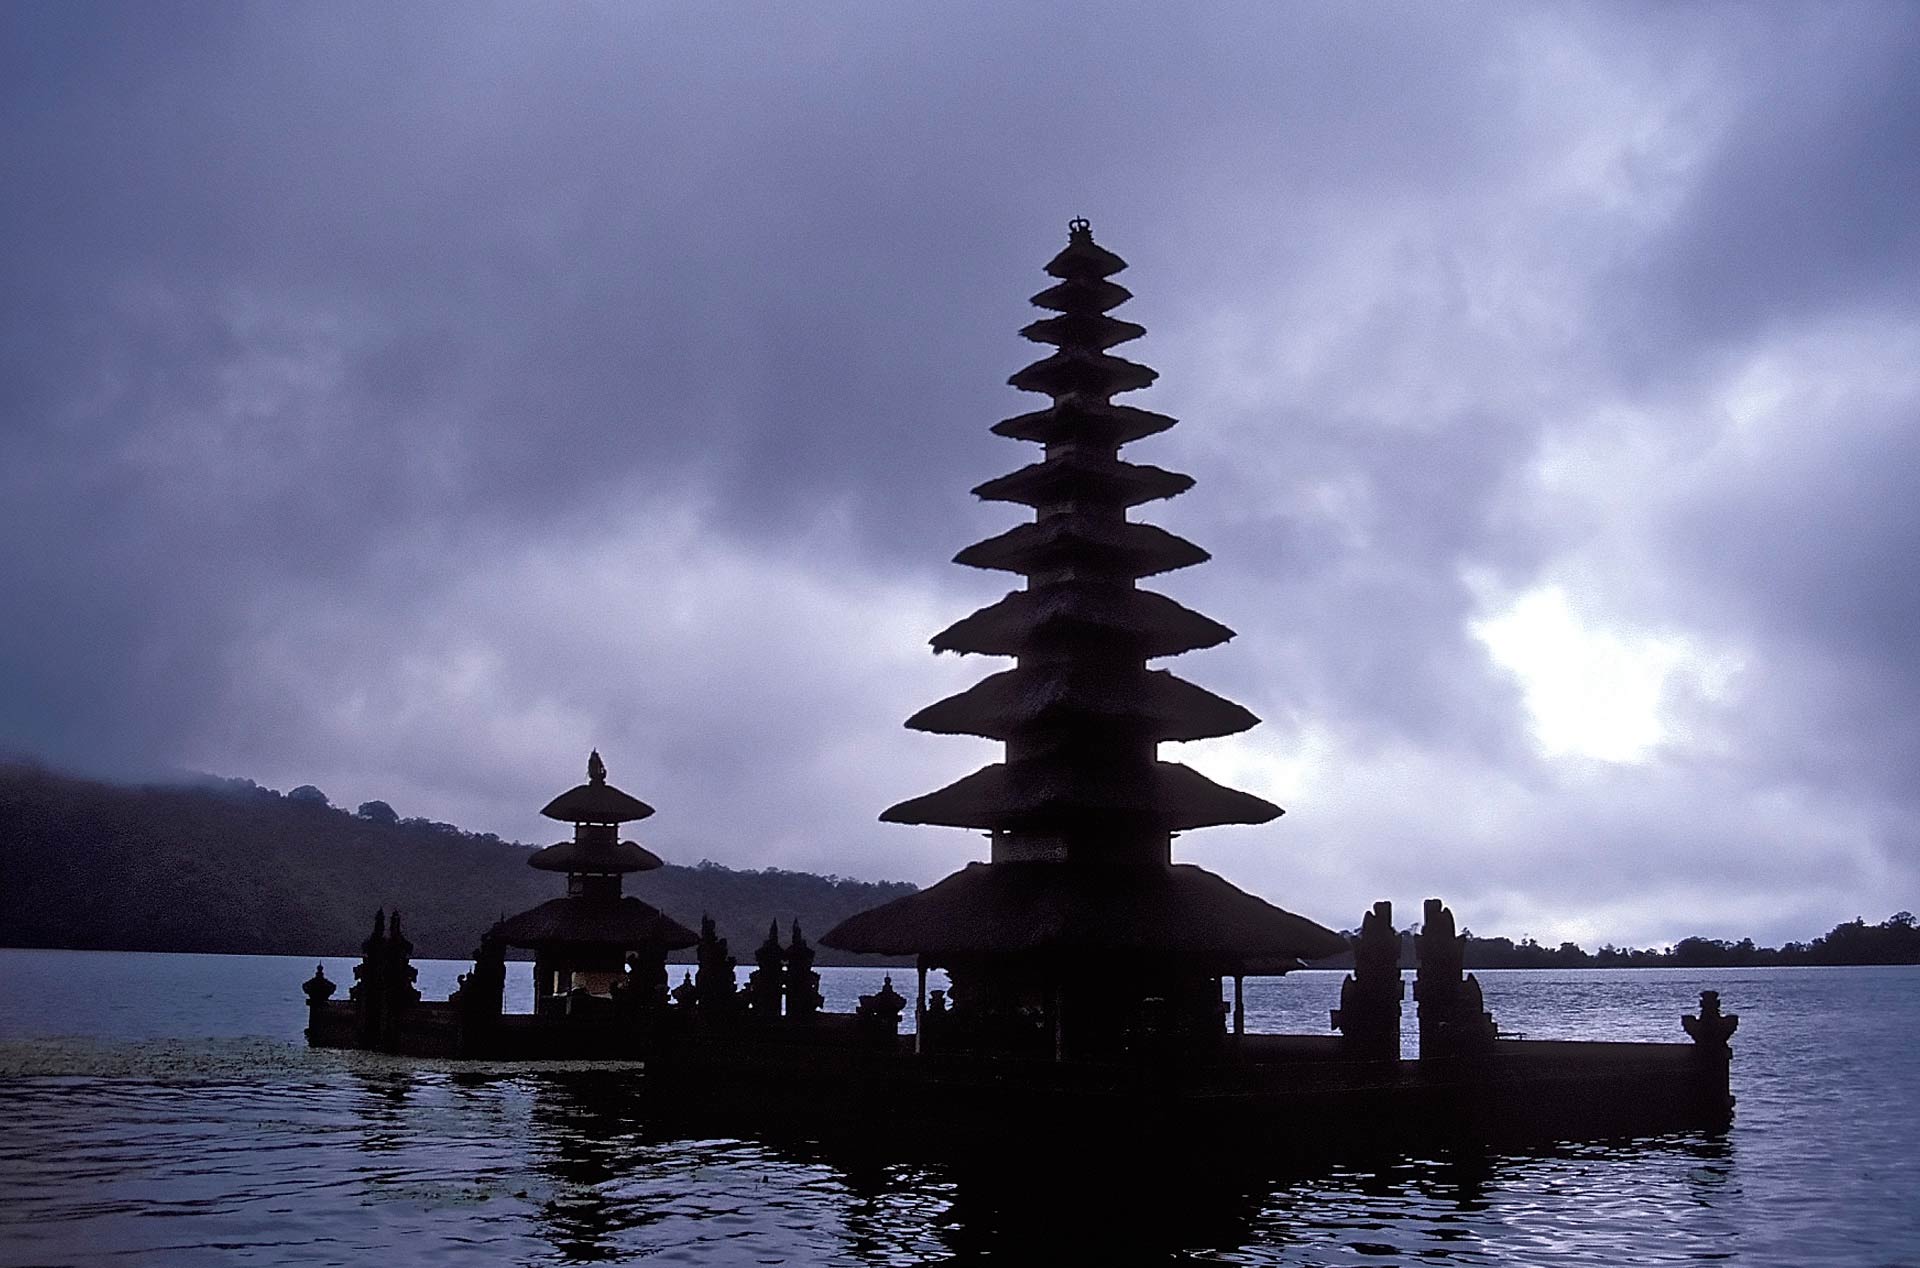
[162, 1109]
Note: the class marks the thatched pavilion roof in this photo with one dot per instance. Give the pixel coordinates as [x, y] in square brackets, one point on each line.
[1111, 481]
[596, 801]
[1084, 330]
[1084, 419]
[1082, 257]
[999, 908]
[1026, 619]
[1157, 704]
[1039, 796]
[1118, 549]
[1082, 370]
[625, 924]
[593, 856]
[1083, 295]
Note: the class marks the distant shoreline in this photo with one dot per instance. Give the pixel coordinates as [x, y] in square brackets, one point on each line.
[827, 960]
[876, 962]
[229, 867]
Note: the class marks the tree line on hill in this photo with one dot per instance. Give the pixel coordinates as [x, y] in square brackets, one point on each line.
[224, 865]
[1895, 940]
[229, 866]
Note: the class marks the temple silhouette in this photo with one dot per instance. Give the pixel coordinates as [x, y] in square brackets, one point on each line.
[1081, 924]
[1093, 980]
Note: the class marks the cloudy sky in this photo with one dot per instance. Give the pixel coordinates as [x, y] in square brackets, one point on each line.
[404, 399]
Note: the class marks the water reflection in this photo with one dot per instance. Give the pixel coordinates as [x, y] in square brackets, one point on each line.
[588, 1145]
[168, 1147]
[616, 1183]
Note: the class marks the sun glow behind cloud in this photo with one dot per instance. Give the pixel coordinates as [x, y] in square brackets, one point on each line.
[1595, 692]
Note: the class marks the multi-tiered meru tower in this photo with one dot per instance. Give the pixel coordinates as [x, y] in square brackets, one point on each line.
[1081, 933]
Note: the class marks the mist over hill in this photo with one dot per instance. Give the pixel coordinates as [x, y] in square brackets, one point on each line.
[223, 865]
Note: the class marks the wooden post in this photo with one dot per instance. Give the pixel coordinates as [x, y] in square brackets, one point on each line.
[920, 1005]
[1239, 1007]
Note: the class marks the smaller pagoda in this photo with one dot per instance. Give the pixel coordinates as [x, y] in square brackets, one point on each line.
[596, 942]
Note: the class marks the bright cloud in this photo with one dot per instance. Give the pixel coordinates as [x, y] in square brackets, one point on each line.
[1591, 691]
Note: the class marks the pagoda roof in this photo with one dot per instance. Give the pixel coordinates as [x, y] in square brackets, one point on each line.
[1000, 908]
[1084, 419]
[1015, 701]
[1082, 370]
[586, 856]
[625, 923]
[1153, 623]
[1082, 256]
[1115, 547]
[1078, 474]
[1082, 295]
[1083, 330]
[1172, 798]
[596, 801]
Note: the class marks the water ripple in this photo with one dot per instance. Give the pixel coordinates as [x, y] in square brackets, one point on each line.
[164, 1149]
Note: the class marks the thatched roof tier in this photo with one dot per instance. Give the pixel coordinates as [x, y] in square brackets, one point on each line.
[1083, 257]
[1084, 420]
[1075, 370]
[589, 856]
[1001, 908]
[625, 924]
[1039, 796]
[596, 801]
[1083, 476]
[1150, 624]
[1082, 295]
[1151, 703]
[1095, 331]
[1108, 548]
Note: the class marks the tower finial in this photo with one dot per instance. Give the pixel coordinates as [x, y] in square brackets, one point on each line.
[1080, 229]
[596, 769]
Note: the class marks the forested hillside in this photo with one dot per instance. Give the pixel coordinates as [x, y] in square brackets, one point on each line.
[228, 866]
[225, 865]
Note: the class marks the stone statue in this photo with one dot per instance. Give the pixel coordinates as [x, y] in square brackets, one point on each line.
[1369, 1014]
[1712, 1028]
[1453, 1018]
[372, 954]
[880, 1011]
[319, 990]
[767, 983]
[713, 988]
[383, 983]
[401, 975]
[803, 984]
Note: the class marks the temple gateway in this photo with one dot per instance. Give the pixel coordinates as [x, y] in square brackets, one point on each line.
[1096, 984]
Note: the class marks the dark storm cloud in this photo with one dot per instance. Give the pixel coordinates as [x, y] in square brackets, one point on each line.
[396, 394]
[1812, 553]
[1806, 202]
[491, 265]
